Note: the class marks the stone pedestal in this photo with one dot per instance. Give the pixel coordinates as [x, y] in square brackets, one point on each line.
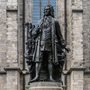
[45, 86]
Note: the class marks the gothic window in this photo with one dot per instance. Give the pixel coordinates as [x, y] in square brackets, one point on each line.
[38, 7]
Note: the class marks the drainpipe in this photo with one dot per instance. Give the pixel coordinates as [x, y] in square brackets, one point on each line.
[23, 25]
[65, 11]
[65, 21]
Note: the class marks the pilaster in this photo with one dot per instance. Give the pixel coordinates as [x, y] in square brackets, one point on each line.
[3, 80]
[13, 78]
[3, 46]
[77, 67]
[3, 36]
[11, 33]
[12, 67]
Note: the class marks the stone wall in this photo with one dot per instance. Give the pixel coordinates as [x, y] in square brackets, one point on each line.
[13, 67]
[3, 35]
[12, 35]
[87, 81]
[20, 33]
[78, 20]
[3, 81]
[3, 39]
[9, 61]
[75, 66]
[86, 43]
[86, 32]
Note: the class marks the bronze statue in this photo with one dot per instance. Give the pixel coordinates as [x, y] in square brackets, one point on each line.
[49, 49]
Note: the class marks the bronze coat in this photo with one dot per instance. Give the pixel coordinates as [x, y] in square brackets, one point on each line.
[56, 36]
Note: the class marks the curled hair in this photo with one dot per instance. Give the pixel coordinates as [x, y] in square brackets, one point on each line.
[51, 10]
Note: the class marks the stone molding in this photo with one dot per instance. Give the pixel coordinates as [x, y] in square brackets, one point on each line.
[12, 8]
[2, 72]
[87, 72]
[13, 69]
[67, 72]
[77, 10]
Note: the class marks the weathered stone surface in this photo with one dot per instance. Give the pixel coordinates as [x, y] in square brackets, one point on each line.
[3, 31]
[86, 43]
[87, 81]
[3, 46]
[77, 40]
[10, 80]
[77, 80]
[11, 37]
[45, 86]
[86, 33]
[13, 80]
[3, 81]
[20, 34]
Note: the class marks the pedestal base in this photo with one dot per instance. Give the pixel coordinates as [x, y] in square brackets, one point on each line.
[45, 86]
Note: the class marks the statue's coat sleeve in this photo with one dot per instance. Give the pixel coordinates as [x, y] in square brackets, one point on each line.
[59, 35]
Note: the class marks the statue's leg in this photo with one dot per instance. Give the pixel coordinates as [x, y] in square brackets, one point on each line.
[37, 68]
[50, 68]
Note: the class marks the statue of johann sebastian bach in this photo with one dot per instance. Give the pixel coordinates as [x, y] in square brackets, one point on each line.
[48, 38]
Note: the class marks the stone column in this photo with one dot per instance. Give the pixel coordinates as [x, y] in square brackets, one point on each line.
[12, 67]
[77, 68]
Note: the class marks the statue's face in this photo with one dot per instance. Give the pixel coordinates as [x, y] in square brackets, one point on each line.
[47, 11]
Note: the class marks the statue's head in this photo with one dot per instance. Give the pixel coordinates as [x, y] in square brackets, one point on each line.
[49, 11]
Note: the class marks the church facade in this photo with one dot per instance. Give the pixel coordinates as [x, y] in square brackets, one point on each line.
[74, 19]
